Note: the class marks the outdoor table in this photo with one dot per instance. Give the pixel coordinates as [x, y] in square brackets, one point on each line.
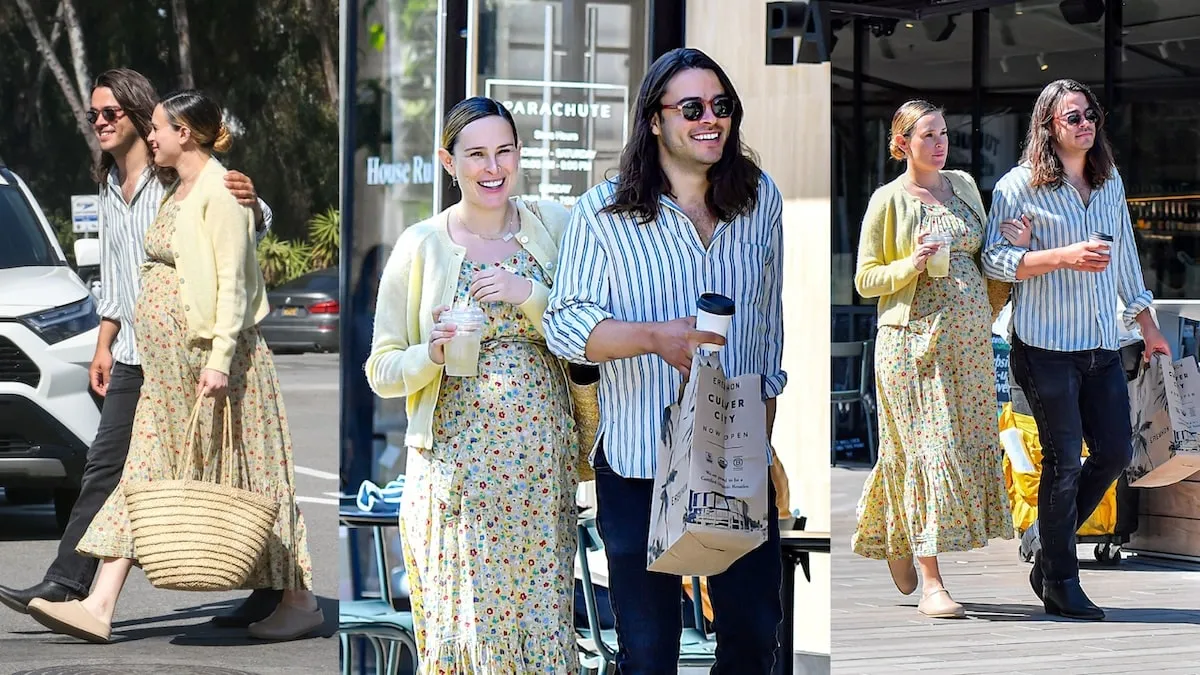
[795, 545]
[352, 517]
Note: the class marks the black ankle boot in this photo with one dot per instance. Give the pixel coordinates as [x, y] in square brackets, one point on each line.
[19, 599]
[1066, 598]
[1036, 577]
[254, 608]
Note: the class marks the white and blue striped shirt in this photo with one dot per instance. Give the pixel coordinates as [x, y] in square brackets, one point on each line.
[122, 251]
[611, 267]
[1066, 310]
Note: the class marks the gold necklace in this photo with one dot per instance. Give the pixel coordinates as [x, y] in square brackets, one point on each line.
[942, 187]
[507, 236]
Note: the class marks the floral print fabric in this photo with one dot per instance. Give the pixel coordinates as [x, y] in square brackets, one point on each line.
[488, 515]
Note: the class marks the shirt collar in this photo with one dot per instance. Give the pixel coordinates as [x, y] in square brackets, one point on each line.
[114, 181]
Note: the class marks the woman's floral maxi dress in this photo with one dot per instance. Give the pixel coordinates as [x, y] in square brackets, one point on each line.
[938, 486]
[488, 515]
[171, 364]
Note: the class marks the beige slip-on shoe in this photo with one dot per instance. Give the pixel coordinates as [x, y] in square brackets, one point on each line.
[70, 618]
[287, 622]
[904, 575]
[939, 605]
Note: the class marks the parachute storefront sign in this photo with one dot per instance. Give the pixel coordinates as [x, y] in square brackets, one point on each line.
[572, 133]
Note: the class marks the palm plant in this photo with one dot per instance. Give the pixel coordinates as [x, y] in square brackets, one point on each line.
[282, 261]
[325, 238]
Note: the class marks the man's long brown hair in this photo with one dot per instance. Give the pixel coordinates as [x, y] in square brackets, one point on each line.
[732, 181]
[1039, 143]
[137, 99]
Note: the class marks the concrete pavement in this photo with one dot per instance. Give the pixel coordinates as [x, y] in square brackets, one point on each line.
[168, 631]
[1153, 608]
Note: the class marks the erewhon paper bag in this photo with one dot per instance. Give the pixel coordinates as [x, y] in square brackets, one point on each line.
[710, 483]
[1163, 412]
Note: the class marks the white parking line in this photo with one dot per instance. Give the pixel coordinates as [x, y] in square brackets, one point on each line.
[317, 473]
[317, 500]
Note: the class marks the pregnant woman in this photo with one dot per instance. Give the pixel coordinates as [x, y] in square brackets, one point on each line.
[488, 515]
[938, 486]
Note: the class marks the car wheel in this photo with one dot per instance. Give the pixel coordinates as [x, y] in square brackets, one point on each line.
[25, 497]
[64, 501]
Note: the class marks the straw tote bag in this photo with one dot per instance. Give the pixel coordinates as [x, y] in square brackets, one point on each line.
[192, 535]
[583, 383]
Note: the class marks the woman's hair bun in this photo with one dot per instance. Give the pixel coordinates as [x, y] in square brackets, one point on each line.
[224, 140]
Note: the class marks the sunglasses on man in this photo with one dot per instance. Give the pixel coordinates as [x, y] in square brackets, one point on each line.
[109, 113]
[692, 109]
[1075, 118]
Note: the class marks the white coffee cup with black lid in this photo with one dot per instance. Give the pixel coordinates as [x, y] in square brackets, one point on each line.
[714, 313]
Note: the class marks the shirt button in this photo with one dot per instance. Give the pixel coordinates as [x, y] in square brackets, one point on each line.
[550, 265]
[187, 308]
[524, 239]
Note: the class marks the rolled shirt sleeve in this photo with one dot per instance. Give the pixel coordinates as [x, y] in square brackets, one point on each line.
[579, 300]
[1131, 286]
[1000, 258]
[775, 378]
[268, 218]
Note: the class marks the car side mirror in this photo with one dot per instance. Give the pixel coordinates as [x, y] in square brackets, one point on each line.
[87, 253]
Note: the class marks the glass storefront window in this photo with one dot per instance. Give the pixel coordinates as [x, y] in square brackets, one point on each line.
[567, 70]
[1030, 44]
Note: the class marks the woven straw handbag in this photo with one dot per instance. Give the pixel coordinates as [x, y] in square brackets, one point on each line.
[584, 383]
[192, 535]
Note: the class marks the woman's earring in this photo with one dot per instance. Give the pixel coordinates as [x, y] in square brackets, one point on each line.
[454, 181]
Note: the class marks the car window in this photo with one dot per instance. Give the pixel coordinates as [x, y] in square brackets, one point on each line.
[312, 283]
[25, 242]
[323, 283]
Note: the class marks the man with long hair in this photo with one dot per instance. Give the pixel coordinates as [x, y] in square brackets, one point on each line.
[689, 213]
[131, 189]
[1064, 321]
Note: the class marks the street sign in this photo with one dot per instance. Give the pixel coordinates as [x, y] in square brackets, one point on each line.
[85, 213]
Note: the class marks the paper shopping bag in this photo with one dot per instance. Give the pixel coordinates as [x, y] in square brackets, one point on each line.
[1166, 422]
[710, 483]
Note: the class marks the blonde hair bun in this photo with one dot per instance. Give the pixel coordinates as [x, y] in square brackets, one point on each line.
[224, 139]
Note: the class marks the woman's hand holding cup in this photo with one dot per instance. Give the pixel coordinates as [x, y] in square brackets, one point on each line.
[924, 251]
[441, 334]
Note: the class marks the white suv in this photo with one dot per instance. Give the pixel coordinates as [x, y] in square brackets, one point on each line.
[48, 330]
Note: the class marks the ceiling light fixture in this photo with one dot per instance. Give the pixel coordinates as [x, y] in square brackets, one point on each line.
[1041, 59]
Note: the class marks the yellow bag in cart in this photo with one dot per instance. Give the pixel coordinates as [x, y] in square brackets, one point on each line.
[1023, 473]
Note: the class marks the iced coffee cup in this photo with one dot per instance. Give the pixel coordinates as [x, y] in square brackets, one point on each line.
[714, 313]
[462, 351]
[938, 264]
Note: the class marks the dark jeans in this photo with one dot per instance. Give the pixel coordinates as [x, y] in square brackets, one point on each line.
[745, 598]
[1074, 397]
[105, 463]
